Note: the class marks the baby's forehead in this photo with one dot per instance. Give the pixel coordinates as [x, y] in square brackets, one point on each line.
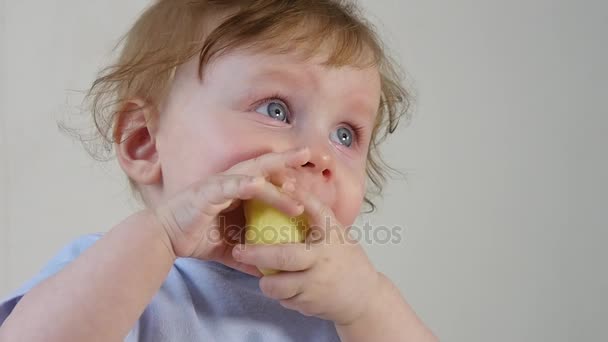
[289, 67]
[293, 72]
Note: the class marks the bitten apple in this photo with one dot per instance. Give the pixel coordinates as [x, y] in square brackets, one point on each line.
[268, 225]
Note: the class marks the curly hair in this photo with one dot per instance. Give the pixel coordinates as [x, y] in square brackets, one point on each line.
[171, 32]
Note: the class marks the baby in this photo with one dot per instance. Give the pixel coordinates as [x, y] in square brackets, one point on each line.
[212, 103]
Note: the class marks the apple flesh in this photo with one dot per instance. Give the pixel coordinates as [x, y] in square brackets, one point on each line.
[267, 225]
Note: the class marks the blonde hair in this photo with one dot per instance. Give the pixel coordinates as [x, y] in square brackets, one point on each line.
[171, 32]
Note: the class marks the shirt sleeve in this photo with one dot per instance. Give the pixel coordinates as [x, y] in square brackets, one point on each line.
[58, 262]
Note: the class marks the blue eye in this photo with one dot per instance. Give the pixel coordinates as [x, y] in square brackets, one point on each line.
[275, 109]
[343, 136]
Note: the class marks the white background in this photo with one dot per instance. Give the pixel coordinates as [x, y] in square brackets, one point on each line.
[505, 206]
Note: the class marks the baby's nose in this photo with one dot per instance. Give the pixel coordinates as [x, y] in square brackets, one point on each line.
[320, 165]
[319, 183]
[325, 172]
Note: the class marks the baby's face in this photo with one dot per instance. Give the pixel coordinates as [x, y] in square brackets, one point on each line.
[250, 104]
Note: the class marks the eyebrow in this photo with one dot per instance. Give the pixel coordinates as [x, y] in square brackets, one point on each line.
[293, 78]
[362, 108]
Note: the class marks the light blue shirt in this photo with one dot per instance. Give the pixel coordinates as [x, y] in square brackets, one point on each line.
[201, 301]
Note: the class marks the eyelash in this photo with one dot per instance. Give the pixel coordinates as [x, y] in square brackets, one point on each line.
[280, 97]
[356, 128]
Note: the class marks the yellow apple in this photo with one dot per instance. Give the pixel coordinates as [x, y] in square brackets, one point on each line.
[268, 225]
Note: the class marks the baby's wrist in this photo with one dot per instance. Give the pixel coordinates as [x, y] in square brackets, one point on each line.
[154, 222]
[375, 305]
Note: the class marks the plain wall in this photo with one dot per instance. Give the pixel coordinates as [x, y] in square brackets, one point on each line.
[504, 208]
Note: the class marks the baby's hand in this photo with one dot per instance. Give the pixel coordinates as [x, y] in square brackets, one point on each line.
[190, 219]
[328, 276]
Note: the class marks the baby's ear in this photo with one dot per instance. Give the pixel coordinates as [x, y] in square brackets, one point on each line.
[135, 141]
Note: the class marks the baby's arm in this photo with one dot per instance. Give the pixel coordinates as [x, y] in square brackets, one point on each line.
[391, 319]
[101, 294]
[330, 276]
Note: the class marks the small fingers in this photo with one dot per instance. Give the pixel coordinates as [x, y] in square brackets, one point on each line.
[273, 196]
[284, 285]
[221, 191]
[297, 158]
[267, 163]
[321, 218]
[284, 256]
[271, 164]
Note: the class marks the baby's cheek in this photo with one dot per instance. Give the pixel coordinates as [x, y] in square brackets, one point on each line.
[236, 154]
[349, 201]
[232, 143]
